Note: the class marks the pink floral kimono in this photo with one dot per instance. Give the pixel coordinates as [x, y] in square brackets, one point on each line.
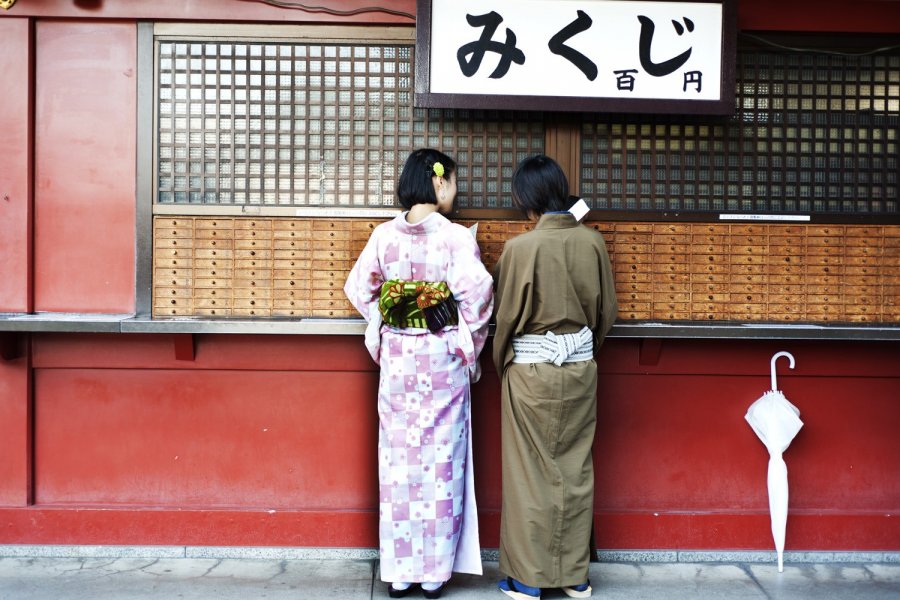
[428, 524]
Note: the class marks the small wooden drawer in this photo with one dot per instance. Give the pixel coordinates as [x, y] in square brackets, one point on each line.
[749, 310]
[328, 294]
[634, 287]
[671, 297]
[325, 283]
[290, 275]
[291, 295]
[172, 302]
[259, 294]
[624, 239]
[214, 253]
[213, 234]
[823, 270]
[173, 253]
[747, 230]
[173, 311]
[243, 226]
[332, 254]
[261, 272]
[216, 223]
[288, 224]
[212, 292]
[167, 281]
[250, 303]
[634, 275]
[163, 233]
[292, 262]
[212, 312]
[791, 243]
[671, 229]
[173, 222]
[253, 244]
[293, 244]
[213, 303]
[679, 267]
[633, 228]
[253, 254]
[172, 262]
[823, 259]
[175, 292]
[367, 227]
[214, 243]
[212, 282]
[288, 312]
[251, 312]
[173, 243]
[257, 283]
[824, 231]
[332, 265]
[214, 272]
[660, 277]
[715, 288]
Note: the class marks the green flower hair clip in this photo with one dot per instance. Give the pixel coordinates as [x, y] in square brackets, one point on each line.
[438, 169]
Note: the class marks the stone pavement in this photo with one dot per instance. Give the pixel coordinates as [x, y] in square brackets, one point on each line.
[246, 578]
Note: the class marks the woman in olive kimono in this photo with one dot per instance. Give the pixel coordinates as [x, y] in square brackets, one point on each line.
[554, 303]
[427, 298]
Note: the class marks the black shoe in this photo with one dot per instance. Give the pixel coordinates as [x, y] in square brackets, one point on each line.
[433, 594]
[395, 593]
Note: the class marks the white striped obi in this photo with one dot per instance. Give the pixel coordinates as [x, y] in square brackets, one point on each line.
[554, 348]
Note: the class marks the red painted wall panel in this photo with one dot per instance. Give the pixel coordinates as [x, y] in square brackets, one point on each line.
[15, 430]
[16, 166]
[279, 440]
[680, 442]
[677, 465]
[85, 167]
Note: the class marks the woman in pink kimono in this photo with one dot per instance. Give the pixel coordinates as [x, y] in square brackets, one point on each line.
[427, 298]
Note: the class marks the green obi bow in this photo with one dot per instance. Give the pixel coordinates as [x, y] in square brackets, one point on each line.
[422, 304]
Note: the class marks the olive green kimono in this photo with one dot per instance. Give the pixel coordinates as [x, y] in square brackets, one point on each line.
[556, 278]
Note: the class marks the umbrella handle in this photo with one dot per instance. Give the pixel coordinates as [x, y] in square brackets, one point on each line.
[774, 359]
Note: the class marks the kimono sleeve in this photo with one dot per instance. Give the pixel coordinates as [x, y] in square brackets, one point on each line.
[363, 288]
[512, 302]
[363, 285]
[472, 288]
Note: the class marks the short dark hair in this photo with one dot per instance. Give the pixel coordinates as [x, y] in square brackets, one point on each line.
[414, 186]
[539, 185]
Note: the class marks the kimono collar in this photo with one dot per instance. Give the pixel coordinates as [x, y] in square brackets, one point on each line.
[429, 224]
[556, 221]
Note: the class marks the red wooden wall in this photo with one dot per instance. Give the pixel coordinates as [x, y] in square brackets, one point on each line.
[269, 440]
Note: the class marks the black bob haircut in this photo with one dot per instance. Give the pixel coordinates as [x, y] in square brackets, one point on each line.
[415, 185]
[539, 185]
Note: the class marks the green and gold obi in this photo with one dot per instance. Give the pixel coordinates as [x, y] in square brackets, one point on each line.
[420, 304]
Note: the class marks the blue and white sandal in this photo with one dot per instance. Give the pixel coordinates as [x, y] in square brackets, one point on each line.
[518, 590]
[578, 591]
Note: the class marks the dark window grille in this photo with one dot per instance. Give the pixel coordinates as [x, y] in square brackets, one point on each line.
[812, 134]
[315, 125]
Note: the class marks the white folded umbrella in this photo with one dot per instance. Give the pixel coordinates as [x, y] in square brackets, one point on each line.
[776, 421]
